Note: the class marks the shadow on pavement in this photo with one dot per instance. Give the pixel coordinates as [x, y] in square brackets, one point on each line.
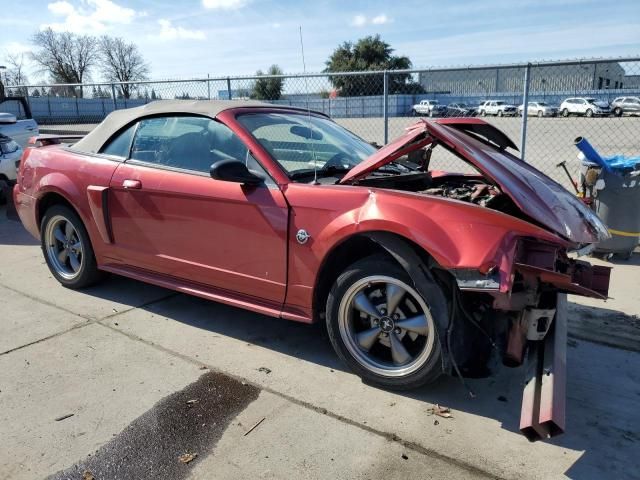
[11, 230]
[603, 383]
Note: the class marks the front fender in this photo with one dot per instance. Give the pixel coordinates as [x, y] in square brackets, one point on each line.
[456, 234]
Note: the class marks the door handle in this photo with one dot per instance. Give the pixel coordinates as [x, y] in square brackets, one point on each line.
[132, 184]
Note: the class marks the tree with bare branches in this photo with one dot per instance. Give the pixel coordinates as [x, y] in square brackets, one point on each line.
[16, 71]
[65, 56]
[122, 62]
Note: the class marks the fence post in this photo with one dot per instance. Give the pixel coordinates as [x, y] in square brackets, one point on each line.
[113, 95]
[525, 112]
[229, 88]
[385, 105]
[208, 88]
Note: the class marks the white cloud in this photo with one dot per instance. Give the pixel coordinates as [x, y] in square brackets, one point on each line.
[169, 32]
[380, 19]
[14, 48]
[224, 4]
[361, 20]
[90, 16]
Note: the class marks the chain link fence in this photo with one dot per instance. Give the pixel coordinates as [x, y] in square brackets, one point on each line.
[595, 99]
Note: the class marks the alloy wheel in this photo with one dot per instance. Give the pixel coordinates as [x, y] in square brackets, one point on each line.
[64, 247]
[386, 326]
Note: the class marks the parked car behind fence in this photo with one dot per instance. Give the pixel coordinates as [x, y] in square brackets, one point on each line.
[584, 106]
[497, 107]
[539, 109]
[626, 106]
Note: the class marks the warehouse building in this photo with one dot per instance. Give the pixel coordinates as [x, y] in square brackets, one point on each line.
[546, 79]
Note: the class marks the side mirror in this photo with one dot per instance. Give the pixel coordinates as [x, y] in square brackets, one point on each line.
[6, 118]
[234, 171]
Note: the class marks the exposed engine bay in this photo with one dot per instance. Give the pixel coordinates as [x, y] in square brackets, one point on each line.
[465, 188]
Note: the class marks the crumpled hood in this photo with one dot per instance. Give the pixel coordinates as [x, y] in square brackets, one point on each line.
[539, 197]
[601, 104]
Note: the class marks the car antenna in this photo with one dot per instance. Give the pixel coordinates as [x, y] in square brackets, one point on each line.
[306, 87]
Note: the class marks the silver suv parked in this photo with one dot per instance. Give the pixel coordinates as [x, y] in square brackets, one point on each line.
[626, 106]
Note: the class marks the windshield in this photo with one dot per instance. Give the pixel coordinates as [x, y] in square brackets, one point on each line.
[300, 142]
[591, 100]
[500, 103]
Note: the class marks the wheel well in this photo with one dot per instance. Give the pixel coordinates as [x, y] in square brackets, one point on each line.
[48, 201]
[346, 253]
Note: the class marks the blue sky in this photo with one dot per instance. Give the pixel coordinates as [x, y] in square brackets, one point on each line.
[220, 37]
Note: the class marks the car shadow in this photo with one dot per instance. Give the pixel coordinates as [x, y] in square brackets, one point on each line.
[11, 230]
[606, 437]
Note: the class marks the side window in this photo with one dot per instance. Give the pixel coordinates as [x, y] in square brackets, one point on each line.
[120, 144]
[187, 142]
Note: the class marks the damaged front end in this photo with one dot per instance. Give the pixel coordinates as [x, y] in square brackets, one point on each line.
[509, 294]
[529, 309]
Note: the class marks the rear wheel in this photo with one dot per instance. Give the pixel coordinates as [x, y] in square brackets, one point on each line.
[67, 248]
[381, 327]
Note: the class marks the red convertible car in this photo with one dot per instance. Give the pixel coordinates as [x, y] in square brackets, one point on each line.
[282, 211]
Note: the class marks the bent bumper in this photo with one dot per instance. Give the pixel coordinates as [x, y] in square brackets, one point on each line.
[544, 395]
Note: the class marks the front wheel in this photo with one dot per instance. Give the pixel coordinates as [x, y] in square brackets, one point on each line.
[500, 113]
[67, 248]
[382, 328]
[565, 112]
[617, 112]
[540, 114]
[483, 113]
[589, 113]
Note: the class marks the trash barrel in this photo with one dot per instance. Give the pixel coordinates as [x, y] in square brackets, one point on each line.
[618, 206]
[612, 186]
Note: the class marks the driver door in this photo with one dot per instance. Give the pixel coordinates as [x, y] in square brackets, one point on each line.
[170, 217]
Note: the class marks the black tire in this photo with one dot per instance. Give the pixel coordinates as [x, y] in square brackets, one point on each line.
[88, 273]
[483, 113]
[429, 370]
[500, 113]
[617, 112]
[589, 113]
[540, 114]
[565, 112]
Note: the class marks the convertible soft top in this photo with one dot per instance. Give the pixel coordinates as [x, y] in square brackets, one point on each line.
[118, 119]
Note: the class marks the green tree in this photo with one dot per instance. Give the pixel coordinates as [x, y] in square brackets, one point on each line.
[369, 53]
[268, 88]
